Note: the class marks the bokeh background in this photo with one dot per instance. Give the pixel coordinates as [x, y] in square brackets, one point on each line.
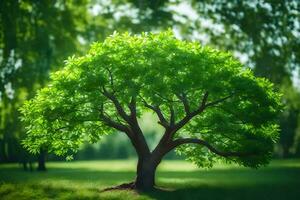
[36, 36]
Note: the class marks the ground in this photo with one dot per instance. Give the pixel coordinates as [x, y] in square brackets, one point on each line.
[180, 180]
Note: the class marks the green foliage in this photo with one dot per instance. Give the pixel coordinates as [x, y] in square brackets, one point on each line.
[35, 37]
[266, 31]
[158, 69]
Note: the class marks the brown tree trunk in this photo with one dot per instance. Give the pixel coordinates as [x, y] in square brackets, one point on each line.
[145, 179]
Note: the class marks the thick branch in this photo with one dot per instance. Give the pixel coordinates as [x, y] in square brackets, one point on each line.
[109, 122]
[170, 131]
[156, 109]
[164, 98]
[132, 107]
[117, 104]
[138, 140]
[201, 108]
[189, 116]
[181, 141]
[185, 102]
[110, 76]
[172, 116]
[133, 117]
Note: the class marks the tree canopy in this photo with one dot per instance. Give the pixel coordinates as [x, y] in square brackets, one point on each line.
[209, 104]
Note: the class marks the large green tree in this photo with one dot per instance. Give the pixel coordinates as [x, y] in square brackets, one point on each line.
[209, 105]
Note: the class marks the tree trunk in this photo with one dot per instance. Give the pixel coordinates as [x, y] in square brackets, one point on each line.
[42, 161]
[145, 179]
[24, 163]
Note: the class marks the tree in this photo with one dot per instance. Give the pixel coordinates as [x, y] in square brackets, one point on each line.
[209, 105]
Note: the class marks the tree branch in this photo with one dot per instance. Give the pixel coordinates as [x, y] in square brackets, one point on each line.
[189, 116]
[117, 104]
[184, 100]
[167, 138]
[133, 130]
[109, 122]
[133, 117]
[156, 109]
[213, 103]
[172, 116]
[171, 130]
[200, 109]
[181, 141]
[138, 139]
[132, 107]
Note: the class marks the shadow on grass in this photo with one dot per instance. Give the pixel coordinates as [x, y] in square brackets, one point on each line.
[81, 183]
[287, 192]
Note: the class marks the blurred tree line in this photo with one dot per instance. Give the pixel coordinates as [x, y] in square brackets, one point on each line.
[36, 36]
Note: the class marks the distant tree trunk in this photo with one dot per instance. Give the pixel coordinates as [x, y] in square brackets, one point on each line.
[285, 151]
[30, 166]
[42, 160]
[24, 163]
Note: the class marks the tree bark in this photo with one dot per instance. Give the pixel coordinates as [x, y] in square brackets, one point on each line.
[145, 179]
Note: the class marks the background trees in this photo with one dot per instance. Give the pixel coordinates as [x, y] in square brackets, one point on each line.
[36, 36]
[266, 33]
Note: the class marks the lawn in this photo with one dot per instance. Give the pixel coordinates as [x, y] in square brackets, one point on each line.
[181, 180]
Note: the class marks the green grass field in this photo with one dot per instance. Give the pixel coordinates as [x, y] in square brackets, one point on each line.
[85, 180]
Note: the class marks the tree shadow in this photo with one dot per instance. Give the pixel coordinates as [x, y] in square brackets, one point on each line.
[269, 192]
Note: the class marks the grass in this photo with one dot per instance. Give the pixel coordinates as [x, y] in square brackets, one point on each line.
[85, 180]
